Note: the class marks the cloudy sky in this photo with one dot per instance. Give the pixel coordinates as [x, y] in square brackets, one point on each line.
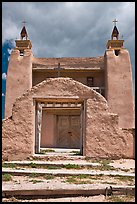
[69, 29]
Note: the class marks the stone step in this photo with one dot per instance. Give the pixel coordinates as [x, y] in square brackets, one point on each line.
[57, 156]
[63, 172]
[54, 163]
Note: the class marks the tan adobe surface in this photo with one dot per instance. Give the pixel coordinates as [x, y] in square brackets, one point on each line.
[103, 138]
[70, 62]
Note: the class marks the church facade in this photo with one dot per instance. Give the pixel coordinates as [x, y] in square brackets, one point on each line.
[81, 103]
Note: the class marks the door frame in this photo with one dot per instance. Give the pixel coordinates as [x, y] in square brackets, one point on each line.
[39, 104]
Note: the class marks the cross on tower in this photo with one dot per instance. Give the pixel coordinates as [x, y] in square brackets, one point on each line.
[115, 21]
[58, 69]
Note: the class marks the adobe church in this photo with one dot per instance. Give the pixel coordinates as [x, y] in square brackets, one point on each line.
[81, 103]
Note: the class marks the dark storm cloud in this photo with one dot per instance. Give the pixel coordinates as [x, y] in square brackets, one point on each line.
[66, 29]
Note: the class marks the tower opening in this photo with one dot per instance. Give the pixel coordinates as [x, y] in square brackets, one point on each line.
[21, 52]
[117, 52]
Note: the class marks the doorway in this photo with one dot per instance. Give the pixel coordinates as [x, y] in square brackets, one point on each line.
[59, 125]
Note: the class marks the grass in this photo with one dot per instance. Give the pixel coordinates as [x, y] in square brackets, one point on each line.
[6, 177]
[33, 175]
[53, 167]
[49, 176]
[46, 176]
[10, 165]
[82, 178]
[123, 178]
[33, 165]
[72, 166]
[105, 161]
[75, 180]
[34, 158]
[71, 179]
[93, 160]
[104, 165]
[35, 181]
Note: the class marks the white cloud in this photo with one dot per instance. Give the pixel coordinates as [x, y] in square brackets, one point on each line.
[69, 29]
[4, 76]
[3, 94]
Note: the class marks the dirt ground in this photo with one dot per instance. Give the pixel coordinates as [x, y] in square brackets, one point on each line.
[100, 198]
[19, 181]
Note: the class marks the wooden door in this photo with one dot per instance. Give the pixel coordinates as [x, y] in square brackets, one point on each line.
[68, 131]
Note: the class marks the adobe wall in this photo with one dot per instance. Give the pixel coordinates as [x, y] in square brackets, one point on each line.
[102, 135]
[119, 86]
[39, 76]
[19, 78]
[104, 139]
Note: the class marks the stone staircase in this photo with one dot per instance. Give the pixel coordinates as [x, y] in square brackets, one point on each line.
[61, 174]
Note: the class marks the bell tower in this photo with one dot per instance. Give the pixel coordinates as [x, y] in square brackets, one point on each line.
[115, 44]
[19, 74]
[118, 80]
[23, 44]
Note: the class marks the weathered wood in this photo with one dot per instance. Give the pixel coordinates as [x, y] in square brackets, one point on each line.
[38, 127]
[64, 192]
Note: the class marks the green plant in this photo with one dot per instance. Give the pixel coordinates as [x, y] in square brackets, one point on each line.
[83, 176]
[53, 167]
[35, 181]
[33, 165]
[124, 178]
[6, 177]
[94, 160]
[80, 179]
[105, 161]
[33, 175]
[49, 176]
[9, 165]
[72, 166]
[71, 179]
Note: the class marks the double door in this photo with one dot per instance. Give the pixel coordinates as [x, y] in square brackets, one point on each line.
[68, 131]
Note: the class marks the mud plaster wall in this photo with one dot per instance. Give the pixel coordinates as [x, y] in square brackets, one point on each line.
[104, 139]
[119, 87]
[18, 132]
[19, 78]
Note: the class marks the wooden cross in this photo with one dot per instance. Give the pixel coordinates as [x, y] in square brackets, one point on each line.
[58, 69]
[115, 21]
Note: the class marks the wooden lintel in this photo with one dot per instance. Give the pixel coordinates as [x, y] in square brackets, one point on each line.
[58, 100]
